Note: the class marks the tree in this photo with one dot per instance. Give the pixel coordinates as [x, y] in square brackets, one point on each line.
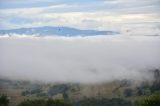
[39, 102]
[51, 102]
[4, 101]
[65, 96]
[128, 92]
[42, 102]
[153, 100]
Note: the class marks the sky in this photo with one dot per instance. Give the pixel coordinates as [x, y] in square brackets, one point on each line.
[82, 14]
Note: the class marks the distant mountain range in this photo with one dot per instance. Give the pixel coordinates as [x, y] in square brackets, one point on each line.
[53, 31]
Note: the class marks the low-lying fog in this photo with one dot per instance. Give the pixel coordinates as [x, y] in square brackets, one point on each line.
[78, 59]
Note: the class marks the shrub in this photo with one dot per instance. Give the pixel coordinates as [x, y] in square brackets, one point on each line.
[4, 101]
[153, 100]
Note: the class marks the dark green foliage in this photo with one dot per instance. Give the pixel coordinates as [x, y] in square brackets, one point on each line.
[125, 83]
[145, 85]
[155, 87]
[36, 91]
[51, 102]
[41, 94]
[4, 101]
[153, 100]
[139, 92]
[42, 102]
[39, 102]
[24, 93]
[65, 96]
[128, 92]
[85, 102]
[57, 89]
[156, 84]
[136, 103]
[104, 102]
[143, 91]
[146, 89]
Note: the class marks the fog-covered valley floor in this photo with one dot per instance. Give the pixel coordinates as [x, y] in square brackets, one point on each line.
[78, 59]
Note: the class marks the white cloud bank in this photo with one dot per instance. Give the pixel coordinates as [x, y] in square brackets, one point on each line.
[79, 59]
[83, 14]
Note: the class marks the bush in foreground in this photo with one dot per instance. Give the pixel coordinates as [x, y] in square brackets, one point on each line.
[153, 100]
[4, 101]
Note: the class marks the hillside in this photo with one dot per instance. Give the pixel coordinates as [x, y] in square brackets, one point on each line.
[127, 90]
[55, 31]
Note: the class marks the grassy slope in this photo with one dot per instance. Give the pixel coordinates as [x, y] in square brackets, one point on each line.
[113, 89]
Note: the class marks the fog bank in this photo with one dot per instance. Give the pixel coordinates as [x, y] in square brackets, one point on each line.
[78, 59]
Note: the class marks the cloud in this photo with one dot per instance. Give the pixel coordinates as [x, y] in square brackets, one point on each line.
[100, 20]
[105, 13]
[78, 59]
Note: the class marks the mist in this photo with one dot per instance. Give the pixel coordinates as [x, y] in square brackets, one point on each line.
[78, 59]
